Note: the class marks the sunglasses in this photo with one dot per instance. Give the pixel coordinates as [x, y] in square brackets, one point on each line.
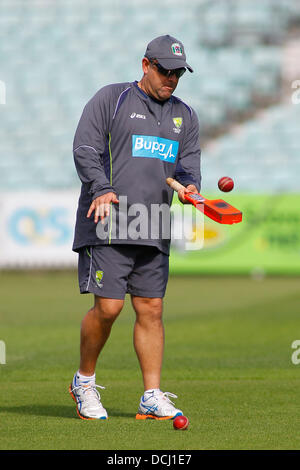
[167, 73]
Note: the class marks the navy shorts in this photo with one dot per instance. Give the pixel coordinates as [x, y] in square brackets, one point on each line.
[114, 270]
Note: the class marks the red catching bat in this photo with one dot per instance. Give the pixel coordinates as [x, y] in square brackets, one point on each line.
[216, 209]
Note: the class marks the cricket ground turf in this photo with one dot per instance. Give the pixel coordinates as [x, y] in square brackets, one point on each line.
[228, 357]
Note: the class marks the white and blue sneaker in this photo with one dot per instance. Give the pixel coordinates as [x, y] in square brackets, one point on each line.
[88, 399]
[156, 404]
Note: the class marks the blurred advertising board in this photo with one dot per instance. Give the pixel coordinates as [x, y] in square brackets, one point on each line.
[37, 229]
[267, 241]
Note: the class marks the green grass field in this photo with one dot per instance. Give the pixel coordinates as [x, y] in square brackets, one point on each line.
[227, 357]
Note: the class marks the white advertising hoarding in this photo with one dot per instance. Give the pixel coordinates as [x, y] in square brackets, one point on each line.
[37, 229]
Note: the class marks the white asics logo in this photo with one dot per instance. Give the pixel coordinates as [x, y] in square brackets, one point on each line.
[138, 116]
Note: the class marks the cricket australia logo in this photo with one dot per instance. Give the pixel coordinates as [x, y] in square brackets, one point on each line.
[99, 277]
[176, 49]
[178, 123]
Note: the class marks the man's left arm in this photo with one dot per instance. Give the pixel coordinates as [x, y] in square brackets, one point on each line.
[188, 171]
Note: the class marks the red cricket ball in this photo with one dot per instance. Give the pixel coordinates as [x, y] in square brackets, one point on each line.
[181, 422]
[225, 184]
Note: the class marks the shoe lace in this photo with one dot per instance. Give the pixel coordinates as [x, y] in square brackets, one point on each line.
[166, 396]
[91, 391]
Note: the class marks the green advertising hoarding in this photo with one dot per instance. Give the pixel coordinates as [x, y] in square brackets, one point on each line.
[267, 241]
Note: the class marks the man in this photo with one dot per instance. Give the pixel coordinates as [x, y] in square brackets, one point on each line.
[130, 138]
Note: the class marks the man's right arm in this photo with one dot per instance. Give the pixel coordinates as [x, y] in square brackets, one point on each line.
[90, 141]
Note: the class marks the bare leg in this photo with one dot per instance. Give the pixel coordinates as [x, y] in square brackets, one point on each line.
[95, 330]
[149, 338]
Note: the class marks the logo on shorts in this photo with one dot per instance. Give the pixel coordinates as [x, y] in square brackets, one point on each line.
[99, 277]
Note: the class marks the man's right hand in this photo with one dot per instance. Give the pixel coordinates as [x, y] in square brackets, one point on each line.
[101, 206]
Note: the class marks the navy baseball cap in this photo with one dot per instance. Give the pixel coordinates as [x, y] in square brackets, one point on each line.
[168, 51]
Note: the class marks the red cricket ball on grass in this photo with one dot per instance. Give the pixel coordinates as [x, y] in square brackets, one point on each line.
[180, 422]
[225, 184]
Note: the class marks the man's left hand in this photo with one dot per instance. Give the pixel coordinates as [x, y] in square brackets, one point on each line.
[189, 189]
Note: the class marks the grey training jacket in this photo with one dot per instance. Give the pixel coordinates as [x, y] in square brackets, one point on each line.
[129, 143]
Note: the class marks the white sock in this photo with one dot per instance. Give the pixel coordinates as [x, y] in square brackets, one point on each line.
[85, 378]
[152, 390]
